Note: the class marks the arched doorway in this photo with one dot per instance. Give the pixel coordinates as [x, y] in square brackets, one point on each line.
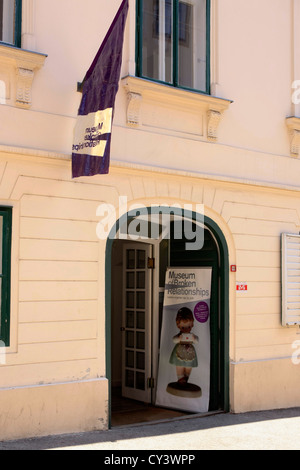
[133, 330]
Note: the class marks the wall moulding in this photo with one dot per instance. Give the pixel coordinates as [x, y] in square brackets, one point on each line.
[17, 70]
[142, 94]
[293, 125]
[134, 101]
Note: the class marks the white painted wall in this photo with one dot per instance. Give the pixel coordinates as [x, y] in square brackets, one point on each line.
[255, 69]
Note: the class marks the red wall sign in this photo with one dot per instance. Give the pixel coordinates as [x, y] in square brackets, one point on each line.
[241, 286]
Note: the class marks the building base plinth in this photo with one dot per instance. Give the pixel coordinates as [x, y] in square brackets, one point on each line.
[62, 408]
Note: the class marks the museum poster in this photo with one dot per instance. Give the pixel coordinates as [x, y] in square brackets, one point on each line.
[184, 362]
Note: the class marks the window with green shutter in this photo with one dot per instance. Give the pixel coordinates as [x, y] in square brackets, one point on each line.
[10, 22]
[173, 42]
[290, 279]
[5, 264]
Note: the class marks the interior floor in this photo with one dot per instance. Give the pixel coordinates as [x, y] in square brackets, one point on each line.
[126, 411]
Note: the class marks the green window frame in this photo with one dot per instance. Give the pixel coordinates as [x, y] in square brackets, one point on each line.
[5, 275]
[10, 22]
[173, 43]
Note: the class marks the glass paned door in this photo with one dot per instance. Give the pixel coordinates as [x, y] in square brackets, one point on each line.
[136, 340]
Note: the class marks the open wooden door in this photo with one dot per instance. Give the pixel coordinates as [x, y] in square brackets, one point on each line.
[136, 322]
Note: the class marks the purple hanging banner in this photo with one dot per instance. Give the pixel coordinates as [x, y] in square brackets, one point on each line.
[92, 134]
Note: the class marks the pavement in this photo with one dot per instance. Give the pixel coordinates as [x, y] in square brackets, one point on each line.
[263, 430]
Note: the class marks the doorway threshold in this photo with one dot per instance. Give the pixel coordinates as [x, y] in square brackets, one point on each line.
[129, 413]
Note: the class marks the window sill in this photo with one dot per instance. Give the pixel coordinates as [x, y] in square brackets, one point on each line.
[293, 125]
[17, 70]
[152, 104]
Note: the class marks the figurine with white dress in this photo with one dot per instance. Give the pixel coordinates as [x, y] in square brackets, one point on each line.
[184, 355]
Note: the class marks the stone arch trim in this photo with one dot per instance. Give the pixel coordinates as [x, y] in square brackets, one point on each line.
[224, 301]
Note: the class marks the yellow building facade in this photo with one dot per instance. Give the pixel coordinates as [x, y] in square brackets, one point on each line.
[229, 153]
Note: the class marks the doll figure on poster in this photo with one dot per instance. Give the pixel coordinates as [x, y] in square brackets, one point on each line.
[184, 355]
